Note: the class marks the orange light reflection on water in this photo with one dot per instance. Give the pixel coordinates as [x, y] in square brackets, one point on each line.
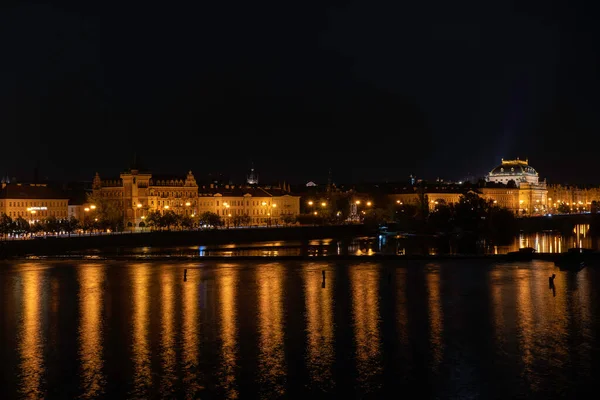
[142, 376]
[227, 282]
[91, 297]
[31, 343]
[270, 315]
[364, 281]
[320, 326]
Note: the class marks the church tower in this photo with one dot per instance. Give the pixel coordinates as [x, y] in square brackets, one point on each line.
[252, 178]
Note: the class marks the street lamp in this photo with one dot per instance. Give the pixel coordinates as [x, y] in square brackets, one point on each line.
[87, 210]
[228, 214]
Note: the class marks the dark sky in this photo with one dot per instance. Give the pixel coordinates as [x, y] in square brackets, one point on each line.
[373, 90]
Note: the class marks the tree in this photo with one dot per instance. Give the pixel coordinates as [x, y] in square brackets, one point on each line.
[108, 212]
[563, 208]
[69, 225]
[288, 219]
[6, 224]
[153, 219]
[377, 216]
[20, 226]
[169, 219]
[210, 219]
[442, 217]
[471, 212]
[51, 224]
[186, 222]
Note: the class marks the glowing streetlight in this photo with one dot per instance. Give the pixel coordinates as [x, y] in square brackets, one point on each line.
[188, 204]
[357, 202]
[166, 207]
[369, 204]
[139, 205]
[310, 203]
[93, 207]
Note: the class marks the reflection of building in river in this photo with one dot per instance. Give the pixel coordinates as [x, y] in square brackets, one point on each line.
[91, 297]
[320, 327]
[168, 355]
[227, 283]
[31, 343]
[142, 376]
[552, 242]
[272, 367]
[436, 317]
[191, 331]
[365, 310]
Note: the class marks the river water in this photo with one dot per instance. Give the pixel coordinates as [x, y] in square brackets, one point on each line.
[469, 329]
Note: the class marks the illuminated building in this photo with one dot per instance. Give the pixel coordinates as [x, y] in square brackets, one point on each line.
[572, 198]
[138, 192]
[514, 185]
[32, 202]
[264, 205]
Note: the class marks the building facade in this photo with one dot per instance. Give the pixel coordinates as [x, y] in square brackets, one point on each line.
[139, 192]
[263, 205]
[33, 202]
[514, 185]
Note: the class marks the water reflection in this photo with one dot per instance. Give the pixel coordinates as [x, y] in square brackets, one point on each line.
[436, 317]
[31, 342]
[270, 315]
[364, 281]
[91, 297]
[319, 327]
[191, 328]
[168, 355]
[227, 282]
[142, 376]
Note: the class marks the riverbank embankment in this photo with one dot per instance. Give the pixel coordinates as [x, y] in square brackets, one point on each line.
[52, 246]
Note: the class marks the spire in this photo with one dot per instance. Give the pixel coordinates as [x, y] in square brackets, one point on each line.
[252, 178]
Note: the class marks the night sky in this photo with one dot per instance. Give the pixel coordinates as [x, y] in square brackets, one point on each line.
[373, 90]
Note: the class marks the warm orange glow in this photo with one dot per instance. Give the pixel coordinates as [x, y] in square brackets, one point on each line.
[86, 209]
[168, 354]
[91, 297]
[191, 328]
[319, 325]
[357, 202]
[140, 279]
[31, 344]
[369, 203]
[436, 317]
[188, 204]
[310, 203]
[270, 315]
[93, 207]
[166, 207]
[323, 204]
[139, 205]
[364, 282]
[227, 281]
